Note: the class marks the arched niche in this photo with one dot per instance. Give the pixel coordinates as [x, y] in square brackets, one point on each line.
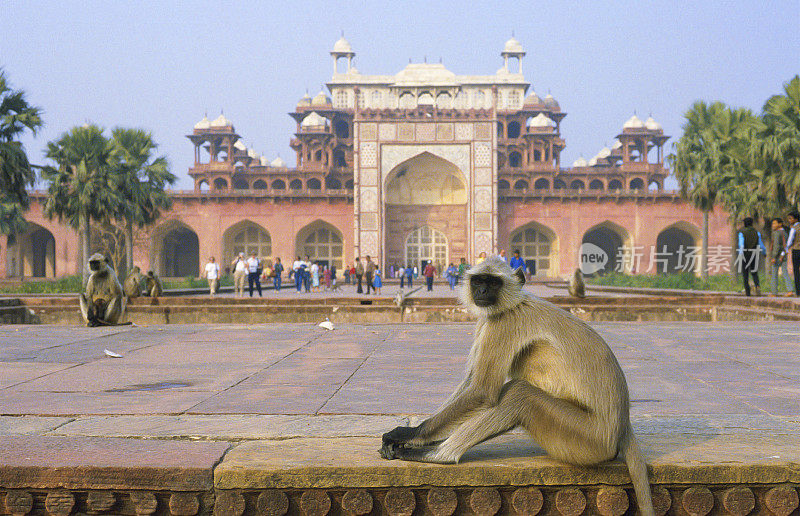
[677, 249]
[637, 184]
[295, 184]
[513, 129]
[541, 184]
[596, 184]
[240, 184]
[615, 184]
[220, 183]
[246, 237]
[426, 179]
[577, 184]
[614, 240]
[539, 244]
[426, 244]
[176, 250]
[520, 184]
[259, 184]
[503, 184]
[33, 253]
[278, 184]
[314, 184]
[321, 241]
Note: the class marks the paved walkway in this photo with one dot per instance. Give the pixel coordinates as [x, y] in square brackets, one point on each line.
[275, 381]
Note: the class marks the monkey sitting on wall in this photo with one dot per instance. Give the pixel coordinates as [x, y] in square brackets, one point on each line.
[133, 283]
[536, 366]
[103, 303]
[153, 287]
[577, 288]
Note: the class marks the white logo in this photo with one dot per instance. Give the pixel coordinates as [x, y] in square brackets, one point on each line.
[591, 258]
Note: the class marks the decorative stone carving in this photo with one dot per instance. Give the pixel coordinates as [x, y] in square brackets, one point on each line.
[464, 131]
[59, 503]
[781, 500]
[483, 154]
[457, 154]
[400, 502]
[19, 502]
[144, 503]
[483, 242]
[357, 501]
[662, 501]
[369, 243]
[369, 177]
[483, 131]
[232, 503]
[483, 176]
[272, 503]
[612, 501]
[483, 198]
[739, 501]
[570, 502]
[405, 131]
[387, 131]
[315, 503]
[184, 504]
[369, 154]
[100, 501]
[485, 501]
[369, 131]
[369, 199]
[369, 221]
[426, 132]
[444, 132]
[698, 501]
[527, 501]
[483, 221]
[442, 501]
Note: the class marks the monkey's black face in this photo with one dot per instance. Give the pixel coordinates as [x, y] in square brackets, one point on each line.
[485, 288]
[95, 265]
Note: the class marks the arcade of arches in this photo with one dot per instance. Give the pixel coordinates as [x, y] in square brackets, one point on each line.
[32, 254]
[426, 206]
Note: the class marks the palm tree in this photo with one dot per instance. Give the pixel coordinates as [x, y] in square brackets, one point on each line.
[16, 117]
[141, 182]
[82, 185]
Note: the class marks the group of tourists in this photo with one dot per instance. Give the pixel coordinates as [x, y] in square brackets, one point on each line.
[784, 243]
[365, 276]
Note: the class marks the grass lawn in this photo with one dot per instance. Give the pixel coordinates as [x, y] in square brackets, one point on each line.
[685, 281]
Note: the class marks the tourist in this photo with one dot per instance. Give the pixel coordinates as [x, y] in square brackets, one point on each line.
[307, 274]
[369, 273]
[429, 272]
[793, 245]
[778, 257]
[359, 272]
[212, 275]
[481, 258]
[347, 275]
[410, 275]
[297, 269]
[502, 255]
[254, 274]
[326, 275]
[462, 269]
[239, 271]
[334, 286]
[517, 261]
[267, 272]
[452, 275]
[277, 273]
[392, 270]
[401, 272]
[377, 283]
[750, 249]
[314, 272]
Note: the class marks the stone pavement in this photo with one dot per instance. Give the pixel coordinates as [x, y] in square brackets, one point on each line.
[712, 403]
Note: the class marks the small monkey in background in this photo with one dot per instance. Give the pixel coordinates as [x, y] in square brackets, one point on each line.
[577, 288]
[133, 283]
[532, 365]
[103, 303]
[153, 287]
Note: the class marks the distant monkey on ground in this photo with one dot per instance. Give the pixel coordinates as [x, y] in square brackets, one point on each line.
[133, 283]
[577, 288]
[103, 303]
[153, 287]
[536, 366]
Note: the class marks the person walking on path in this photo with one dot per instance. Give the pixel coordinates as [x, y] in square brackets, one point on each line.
[254, 274]
[212, 275]
[401, 272]
[410, 275]
[751, 248]
[334, 286]
[429, 272]
[307, 274]
[369, 273]
[239, 267]
[452, 276]
[517, 261]
[359, 275]
[347, 275]
[327, 278]
[793, 245]
[462, 269]
[314, 270]
[297, 270]
[777, 257]
[377, 283]
[278, 272]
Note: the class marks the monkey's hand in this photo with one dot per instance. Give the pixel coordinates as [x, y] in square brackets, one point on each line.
[394, 441]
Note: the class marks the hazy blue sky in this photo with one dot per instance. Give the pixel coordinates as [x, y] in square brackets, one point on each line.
[161, 65]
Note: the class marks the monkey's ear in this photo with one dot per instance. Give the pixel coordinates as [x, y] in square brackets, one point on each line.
[520, 275]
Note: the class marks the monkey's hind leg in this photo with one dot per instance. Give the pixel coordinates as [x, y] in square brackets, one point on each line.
[115, 311]
[85, 309]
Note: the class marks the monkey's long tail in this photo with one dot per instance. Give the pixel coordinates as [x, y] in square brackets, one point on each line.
[637, 469]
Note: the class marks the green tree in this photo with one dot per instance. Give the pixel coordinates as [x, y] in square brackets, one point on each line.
[16, 174]
[141, 180]
[83, 187]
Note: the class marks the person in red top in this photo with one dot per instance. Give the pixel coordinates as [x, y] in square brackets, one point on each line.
[429, 271]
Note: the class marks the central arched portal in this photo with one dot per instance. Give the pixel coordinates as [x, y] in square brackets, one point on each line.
[425, 212]
[177, 249]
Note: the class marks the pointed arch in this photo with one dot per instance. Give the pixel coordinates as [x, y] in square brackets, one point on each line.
[426, 244]
[175, 250]
[322, 241]
[678, 248]
[426, 179]
[245, 237]
[615, 241]
[537, 244]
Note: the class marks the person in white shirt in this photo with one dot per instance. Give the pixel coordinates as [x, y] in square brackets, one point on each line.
[212, 275]
[254, 274]
[239, 267]
[297, 269]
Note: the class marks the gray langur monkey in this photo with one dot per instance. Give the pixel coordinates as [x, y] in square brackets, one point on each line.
[153, 287]
[577, 288]
[133, 283]
[532, 365]
[103, 303]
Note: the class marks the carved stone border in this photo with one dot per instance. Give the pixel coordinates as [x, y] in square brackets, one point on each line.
[698, 500]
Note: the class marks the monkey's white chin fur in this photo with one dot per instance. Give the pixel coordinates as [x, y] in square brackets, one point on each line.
[509, 297]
